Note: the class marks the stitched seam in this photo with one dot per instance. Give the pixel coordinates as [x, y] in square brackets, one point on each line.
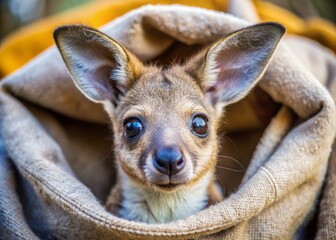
[271, 179]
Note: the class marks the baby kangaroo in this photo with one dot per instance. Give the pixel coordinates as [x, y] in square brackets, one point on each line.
[165, 120]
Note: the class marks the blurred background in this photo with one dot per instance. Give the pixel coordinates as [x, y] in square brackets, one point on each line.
[17, 13]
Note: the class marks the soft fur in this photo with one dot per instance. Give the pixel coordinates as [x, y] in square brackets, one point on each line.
[166, 99]
[39, 199]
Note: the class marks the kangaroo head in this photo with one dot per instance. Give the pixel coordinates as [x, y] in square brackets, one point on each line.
[165, 120]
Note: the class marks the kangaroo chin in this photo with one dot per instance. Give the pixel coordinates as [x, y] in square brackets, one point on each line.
[165, 120]
[144, 204]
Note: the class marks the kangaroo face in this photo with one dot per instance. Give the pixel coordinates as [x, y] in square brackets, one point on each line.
[165, 130]
[165, 120]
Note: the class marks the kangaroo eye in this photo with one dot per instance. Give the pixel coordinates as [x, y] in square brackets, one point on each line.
[199, 125]
[133, 127]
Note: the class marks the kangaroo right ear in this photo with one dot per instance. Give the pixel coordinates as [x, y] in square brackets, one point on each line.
[233, 65]
[100, 67]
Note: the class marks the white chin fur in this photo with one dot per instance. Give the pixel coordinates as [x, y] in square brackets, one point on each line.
[147, 205]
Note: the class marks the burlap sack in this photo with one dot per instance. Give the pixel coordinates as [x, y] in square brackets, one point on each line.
[57, 167]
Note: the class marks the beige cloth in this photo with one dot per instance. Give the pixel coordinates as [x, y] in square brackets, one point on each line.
[56, 160]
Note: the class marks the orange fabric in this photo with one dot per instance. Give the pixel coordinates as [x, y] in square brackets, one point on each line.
[21, 46]
[29, 41]
[317, 29]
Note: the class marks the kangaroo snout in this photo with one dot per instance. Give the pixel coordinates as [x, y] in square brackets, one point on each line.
[165, 119]
[169, 160]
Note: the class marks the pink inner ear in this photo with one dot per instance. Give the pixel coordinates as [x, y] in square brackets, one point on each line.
[237, 69]
[101, 81]
[93, 68]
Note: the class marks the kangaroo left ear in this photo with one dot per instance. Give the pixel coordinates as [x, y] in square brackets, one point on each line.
[233, 65]
[101, 68]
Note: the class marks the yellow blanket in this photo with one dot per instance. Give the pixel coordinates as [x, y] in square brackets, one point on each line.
[24, 44]
[49, 130]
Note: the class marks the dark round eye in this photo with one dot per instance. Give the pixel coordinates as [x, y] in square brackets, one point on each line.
[133, 128]
[199, 125]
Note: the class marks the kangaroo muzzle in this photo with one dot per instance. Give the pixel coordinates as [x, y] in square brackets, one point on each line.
[169, 160]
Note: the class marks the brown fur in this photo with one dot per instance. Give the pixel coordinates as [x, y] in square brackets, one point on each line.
[165, 100]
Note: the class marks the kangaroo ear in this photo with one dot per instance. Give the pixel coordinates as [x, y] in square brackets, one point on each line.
[100, 67]
[230, 68]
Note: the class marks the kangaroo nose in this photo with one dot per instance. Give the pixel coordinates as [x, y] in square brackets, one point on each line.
[169, 160]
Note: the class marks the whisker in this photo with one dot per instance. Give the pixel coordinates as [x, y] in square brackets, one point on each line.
[235, 160]
[231, 169]
[95, 164]
[228, 157]
[234, 145]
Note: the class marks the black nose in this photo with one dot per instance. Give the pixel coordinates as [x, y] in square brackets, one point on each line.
[169, 160]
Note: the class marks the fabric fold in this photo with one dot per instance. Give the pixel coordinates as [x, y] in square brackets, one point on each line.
[275, 198]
